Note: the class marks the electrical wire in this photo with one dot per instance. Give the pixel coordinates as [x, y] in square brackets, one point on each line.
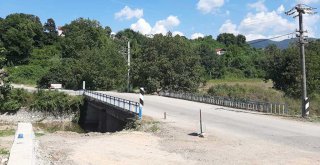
[263, 40]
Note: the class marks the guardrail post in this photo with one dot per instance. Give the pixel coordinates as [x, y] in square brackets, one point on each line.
[141, 102]
[83, 86]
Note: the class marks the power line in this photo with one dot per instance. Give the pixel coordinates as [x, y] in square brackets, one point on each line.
[263, 40]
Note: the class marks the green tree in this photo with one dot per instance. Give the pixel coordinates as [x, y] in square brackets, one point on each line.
[206, 48]
[20, 33]
[2, 56]
[241, 40]
[108, 30]
[82, 34]
[51, 33]
[167, 63]
[7, 104]
[283, 69]
[227, 39]
[102, 68]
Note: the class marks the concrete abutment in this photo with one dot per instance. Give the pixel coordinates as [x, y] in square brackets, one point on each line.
[96, 116]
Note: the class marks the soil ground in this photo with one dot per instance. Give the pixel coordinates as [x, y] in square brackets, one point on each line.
[168, 145]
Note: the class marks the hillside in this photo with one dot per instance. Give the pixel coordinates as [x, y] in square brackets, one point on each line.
[263, 43]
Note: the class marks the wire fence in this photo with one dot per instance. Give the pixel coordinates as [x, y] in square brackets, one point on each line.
[266, 107]
[115, 101]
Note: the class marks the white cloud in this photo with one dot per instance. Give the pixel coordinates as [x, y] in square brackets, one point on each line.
[161, 27]
[260, 25]
[307, 1]
[265, 21]
[259, 6]
[229, 27]
[141, 26]
[280, 9]
[128, 13]
[207, 6]
[197, 35]
[311, 23]
[177, 33]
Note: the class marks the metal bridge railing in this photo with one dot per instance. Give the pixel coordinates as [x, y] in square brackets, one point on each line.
[266, 107]
[115, 101]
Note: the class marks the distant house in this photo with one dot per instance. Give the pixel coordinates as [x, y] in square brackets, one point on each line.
[220, 51]
[60, 31]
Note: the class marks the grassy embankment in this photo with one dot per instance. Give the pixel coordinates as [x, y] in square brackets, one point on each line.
[258, 90]
[26, 74]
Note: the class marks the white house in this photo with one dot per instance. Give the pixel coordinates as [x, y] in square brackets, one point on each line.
[220, 51]
[60, 31]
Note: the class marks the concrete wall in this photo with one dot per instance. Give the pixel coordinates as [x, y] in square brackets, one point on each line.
[96, 116]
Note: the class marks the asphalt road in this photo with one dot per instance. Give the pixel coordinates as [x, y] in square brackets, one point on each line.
[301, 135]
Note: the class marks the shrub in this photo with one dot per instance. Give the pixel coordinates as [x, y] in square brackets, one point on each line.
[56, 103]
[244, 92]
[26, 74]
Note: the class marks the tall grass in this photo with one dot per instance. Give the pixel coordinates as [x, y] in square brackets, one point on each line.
[245, 92]
[26, 74]
[253, 92]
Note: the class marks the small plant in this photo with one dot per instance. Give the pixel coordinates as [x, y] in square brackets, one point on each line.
[145, 125]
[7, 132]
[38, 134]
[57, 126]
[4, 151]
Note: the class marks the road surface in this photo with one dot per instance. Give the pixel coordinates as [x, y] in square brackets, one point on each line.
[300, 135]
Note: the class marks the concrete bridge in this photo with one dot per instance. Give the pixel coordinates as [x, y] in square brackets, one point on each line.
[105, 113]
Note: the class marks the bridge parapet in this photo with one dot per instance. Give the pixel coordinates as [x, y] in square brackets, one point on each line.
[115, 101]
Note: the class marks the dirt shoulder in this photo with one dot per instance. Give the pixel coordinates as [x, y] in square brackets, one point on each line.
[165, 145]
[127, 147]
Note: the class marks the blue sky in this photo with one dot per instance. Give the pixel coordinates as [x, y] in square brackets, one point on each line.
[191, 18]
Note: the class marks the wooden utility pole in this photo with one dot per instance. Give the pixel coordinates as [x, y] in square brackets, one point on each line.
[299, 10]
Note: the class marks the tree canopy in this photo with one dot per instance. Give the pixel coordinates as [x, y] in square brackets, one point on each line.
[33, 52]
[20, 33]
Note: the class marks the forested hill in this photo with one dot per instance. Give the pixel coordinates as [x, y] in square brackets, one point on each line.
[284, 44]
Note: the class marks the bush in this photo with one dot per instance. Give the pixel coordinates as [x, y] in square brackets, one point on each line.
[21, 96]
[56, 103]
[244, 92]
[26, 74]
[7, 102]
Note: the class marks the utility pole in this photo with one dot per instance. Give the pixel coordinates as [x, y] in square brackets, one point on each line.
[299, 10]
[129, 56]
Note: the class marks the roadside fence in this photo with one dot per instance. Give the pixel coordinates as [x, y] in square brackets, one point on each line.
[265, 107]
